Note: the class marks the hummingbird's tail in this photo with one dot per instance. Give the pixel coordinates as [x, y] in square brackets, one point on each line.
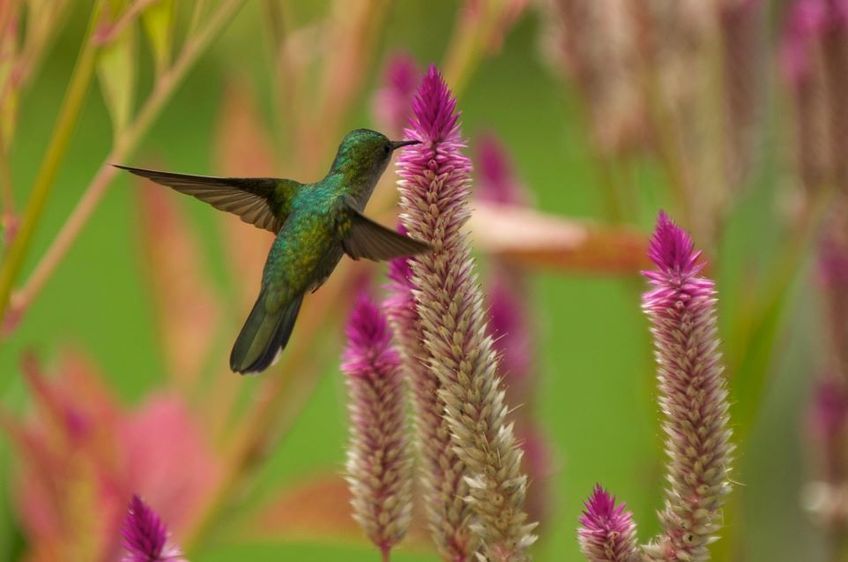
[263, 336]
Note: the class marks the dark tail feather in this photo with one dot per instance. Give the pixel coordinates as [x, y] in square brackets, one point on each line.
[263, 336]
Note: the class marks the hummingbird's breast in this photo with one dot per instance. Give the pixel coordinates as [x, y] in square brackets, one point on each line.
[308, 247]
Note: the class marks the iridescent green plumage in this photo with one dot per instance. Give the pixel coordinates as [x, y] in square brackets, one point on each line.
[315, 224]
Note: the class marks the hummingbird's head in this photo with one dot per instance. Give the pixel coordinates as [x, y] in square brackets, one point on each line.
[366, 152]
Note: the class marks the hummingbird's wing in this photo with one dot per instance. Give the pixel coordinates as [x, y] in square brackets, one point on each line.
[262, 202]
[372, 241]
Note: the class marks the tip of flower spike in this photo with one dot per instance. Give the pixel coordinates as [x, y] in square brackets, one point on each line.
[145, 535]
[601, 514]
[607, 531]
[434, 109]
[672, 249]
[599, 508]
[368, 335]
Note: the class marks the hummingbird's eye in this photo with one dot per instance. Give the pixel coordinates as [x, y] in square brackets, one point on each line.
[387, 148]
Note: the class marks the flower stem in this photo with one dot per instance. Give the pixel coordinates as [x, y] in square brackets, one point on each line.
[68, 115]
[123, 145]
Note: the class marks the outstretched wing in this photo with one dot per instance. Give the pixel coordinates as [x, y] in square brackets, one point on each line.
[372, 241]
[263, 202]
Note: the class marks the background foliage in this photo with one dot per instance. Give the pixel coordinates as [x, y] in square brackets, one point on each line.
[596, 374]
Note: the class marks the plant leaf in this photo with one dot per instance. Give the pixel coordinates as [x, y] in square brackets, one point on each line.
[186, 306]
[317, 509]
[243, 148]
[158, 21]
[8, 91]
[116, 70]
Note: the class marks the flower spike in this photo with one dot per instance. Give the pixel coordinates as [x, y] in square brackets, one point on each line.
[458, 352]
[146, 536]
[692, 395]
[379, 463]
[607, 532]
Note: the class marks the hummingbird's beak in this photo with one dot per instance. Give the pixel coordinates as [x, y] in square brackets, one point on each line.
[398, 144]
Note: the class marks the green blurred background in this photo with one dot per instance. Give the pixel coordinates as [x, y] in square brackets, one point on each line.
[596, 388]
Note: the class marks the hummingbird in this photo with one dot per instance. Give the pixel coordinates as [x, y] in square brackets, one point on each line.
[314, 224]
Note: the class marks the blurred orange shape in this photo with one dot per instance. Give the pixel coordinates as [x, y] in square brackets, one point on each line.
[531, 238]
[186, 306]
[243, 148]
[317, 509]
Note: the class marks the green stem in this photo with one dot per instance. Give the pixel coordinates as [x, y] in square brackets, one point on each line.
[71, 106]
[124, 144]
[749, 366]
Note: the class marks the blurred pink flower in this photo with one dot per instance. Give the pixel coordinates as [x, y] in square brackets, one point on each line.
[510, 325]
[496, 180]
[83, 455]
[146, 536]
[510, 329]
[392, 102]
[805, 22]
[607, 532]
[830, 407]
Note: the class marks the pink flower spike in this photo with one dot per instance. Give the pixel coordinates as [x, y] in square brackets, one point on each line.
[457, 349]
[368, 349]
[146, 536]
[435, 120]
[379, 460]
[442, 486]
[672, 250]
[692, 396]
[607, 532]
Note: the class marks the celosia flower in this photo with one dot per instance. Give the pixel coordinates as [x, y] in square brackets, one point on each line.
[146, 536]
[392, 100]
[434, 188]
[692, 395]
[443, 486]
[607, 532]
[379, 465]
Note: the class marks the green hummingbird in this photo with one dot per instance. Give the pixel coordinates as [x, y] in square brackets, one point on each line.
[314, 223]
